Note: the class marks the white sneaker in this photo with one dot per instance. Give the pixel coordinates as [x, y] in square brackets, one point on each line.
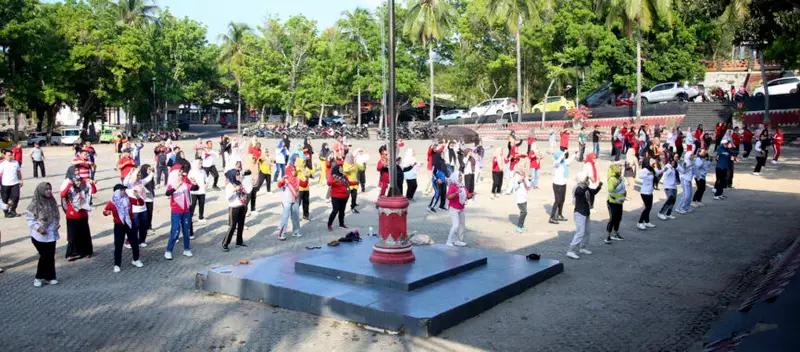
[117, 269]
[254, 212]
[662, 216]
[297, 234]
[202, 221]
[52, 282]
[168, 255]
[187, 253]
[649, 225]
[694, 205]
[757, 173]
[672, 217]
[773, 161]
[282, 238]
[572, 255]
[2, 270]
[143, 244]
[191, 237]
[700, 204]
[127, 245]
[37, 283]
[450, 244]
[585, 251]
[460, 244]
[641, 226]
[717, 198]
[679, 211]
[137, 263]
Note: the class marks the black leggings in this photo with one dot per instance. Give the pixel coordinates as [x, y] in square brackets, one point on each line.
[46, 268]
[212, 171]
[362, 179]
[338, 205]
[236, 221]
[559, 193]
[701, 188]
[199, 200]
[252, 198]
[648, 204]
[721, 182]
[469, 182]
[120, 232]
[497, 182]
[760, 162]
[10, 196]
[263, 179]
[412, 188]
[615, 217]
[149, 221]
[353, 198]
[302, 200]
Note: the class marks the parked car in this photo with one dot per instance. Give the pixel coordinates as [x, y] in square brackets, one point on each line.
[497, 107]
[625, 99]
[669, 92]
[6, 140]
[333, 121]
[785, 85]
[107, 135]
[41, 138]
[70, 135]
[557, 103]
[451, 115]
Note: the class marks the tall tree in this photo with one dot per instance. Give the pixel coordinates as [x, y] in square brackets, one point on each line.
[358, 38]
[232, 57]
[635, 17]
[429, 21]
[135, 12]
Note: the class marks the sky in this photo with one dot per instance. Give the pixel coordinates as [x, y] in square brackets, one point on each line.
[216, 14]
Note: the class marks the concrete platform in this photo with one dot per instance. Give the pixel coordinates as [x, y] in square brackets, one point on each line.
[442, 288]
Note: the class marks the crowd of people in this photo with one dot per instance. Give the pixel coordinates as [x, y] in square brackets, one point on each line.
[643, 160]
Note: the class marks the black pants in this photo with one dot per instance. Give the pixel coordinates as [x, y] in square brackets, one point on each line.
[614, 217]
[212, 171]
[666, 209]
[648, 204]
[701, 188]
[10, 196]
[469, 183]
[162, 169]
[442, 194]
[140, 226]
[497, 182]
[199, 201]
[720, 183]
[729, 181]
[252, 198]
[121, 231]
[236, 222]
[581, 151]
[303, 198]
[338, 205]
[523, 213]
[38, 165]
[559, 192]
[679, 150]
[149, 221]
[412, 188]
[748, 147]
[362, 179]
[353, 198]
[46, 268]
[760, 162]
[79, 238]
[263, 179]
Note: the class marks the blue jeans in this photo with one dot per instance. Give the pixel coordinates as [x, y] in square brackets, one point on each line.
[686, 198]
[596, 148]
[280, 171]
[180, 222]
[293, 212]
[534, 180]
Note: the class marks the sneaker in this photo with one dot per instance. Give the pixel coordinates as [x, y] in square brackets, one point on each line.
[700, 204]
[253, 212]
[168, 255]
[757, 173]
[431, 209]
[202, 221]
[773, 161]
[282, 238]
[672, 217]
[297, 234]
[37, 283]
[607, 240]
[460, 244]
[694, 205]
[2, 270]
[51, 282]
[355, 211]
[520, 230]
[662, 216]
[585, 251]
[137, 263]
[127, 245]
[450, 244]
[679, 211]
[717, 198]
[117, 269]
[225, 248]
[187, 253]
[641, 226]
[723, 196]
[241, 245]
[572, 255]
[553, 221]
[143, 244]
[561, 218]
[649, 225]
[617, 237]
[191, 237]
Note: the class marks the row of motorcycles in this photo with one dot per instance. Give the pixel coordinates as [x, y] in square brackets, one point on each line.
[161, 136]
[301, 131]
[419, 131]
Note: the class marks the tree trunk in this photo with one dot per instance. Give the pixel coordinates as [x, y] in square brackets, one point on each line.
[766, 87]
[430, 66]
[359, 106]
[239, 107]
[638, 76]
[519, 71]
[544, 101]
[321, 113]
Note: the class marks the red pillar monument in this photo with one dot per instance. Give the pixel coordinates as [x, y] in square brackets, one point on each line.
[394, 247]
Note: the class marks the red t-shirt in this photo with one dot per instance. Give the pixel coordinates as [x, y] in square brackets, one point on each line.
[454, 203]
[534, 160]
[564, 139]
[747, 136]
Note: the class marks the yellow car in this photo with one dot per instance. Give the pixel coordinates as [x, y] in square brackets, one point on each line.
[6, 142]
[557, 103]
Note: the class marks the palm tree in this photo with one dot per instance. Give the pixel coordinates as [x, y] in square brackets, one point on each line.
[130, 12]
[429, 21]
[232, 56]
[514, 13]
[635, 17]
[352, 32]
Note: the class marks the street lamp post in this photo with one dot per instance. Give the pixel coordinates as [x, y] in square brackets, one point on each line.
[394, 246]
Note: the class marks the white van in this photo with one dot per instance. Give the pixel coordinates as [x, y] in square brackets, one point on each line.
[70, 135]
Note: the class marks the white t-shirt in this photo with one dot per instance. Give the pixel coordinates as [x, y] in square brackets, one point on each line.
[10, 170]
[209, 158]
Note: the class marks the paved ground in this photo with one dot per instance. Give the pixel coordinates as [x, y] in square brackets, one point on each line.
[658, 290]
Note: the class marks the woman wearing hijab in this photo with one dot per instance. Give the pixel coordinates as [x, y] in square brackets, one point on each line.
[42, 217]
[350, 170]
[469, 170]
[198, 176]
[149, 194]
[120, 207]
[646, 176]
[498, 165]
[236, 197]
[383, 170]
[76, 194]
[281, 154]
[686, 175]
[583, 197]
[289, 186]
[457, 196]
[438, 182]
[561, 162]
[324, 153]
[340, 186]
[135, 189]
[179, 193]
[617, 192]
[305, 172]
[411, 175]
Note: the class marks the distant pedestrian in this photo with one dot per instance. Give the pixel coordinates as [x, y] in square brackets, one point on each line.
[723, 164]
[411, 175]
[596, 140]
[289, 185]
[457, 196]
[236, 196]
[10, 183]
[583, 197]
[761, 152]
[646, 176]
[701, 166]
[561, 162]
[617, 194]
[686, 172]
[581, 143]
[37, 161]
[777, 144]
[43, 223]
[519, 188]
[439, 183]
[340, 189]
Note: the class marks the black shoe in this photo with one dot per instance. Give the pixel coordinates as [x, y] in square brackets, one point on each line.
[553, 221]
[561, 218]
[343, 226]
[354, 210]
[241, 245]
[225, 248]
[533, 256]
[443, 208]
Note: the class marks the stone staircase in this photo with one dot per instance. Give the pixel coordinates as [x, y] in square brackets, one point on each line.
[709, 114]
